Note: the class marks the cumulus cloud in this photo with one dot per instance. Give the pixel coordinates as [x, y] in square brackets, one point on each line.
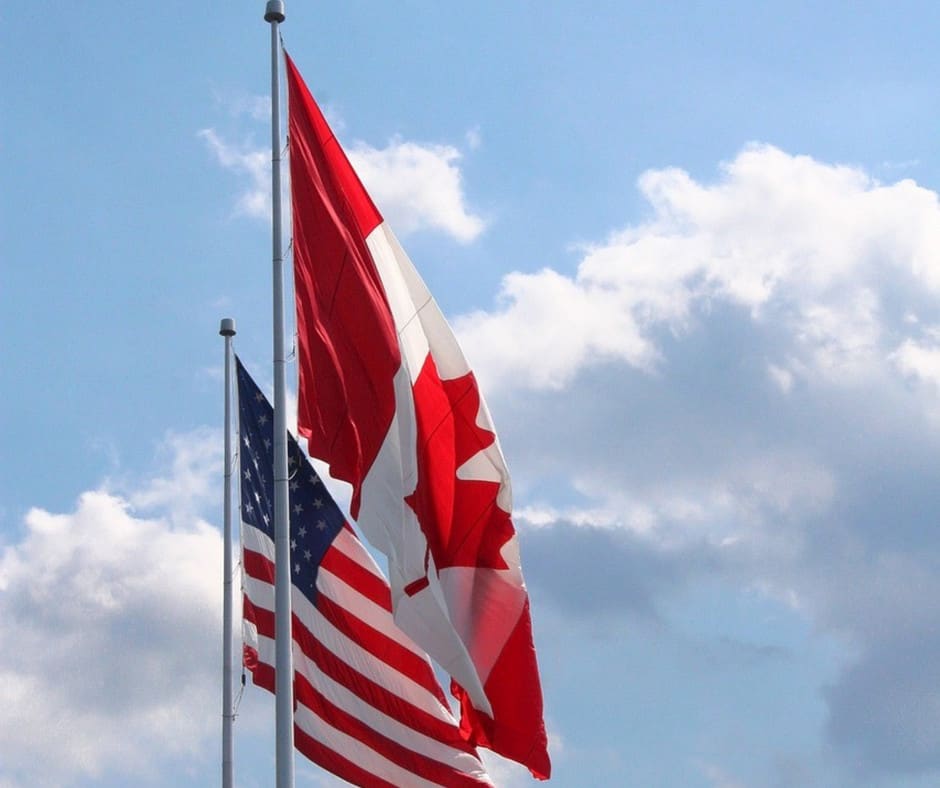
[416, 186]
[820, 251]
[110, 619]
[744, 388]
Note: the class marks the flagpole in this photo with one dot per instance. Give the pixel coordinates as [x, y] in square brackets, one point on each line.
[227, 330]
[283, 663]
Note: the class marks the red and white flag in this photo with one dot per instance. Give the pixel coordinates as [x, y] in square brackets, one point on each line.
[387, 398]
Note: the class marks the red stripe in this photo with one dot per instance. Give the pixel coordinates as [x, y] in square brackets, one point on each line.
[428, 768]
[385, 648]
[334, 762]
[263, 676]
[261, 617]
[388, 654]
[258, 566]
[373, 693]
[360, 578]
[382, 647]
[412, 761]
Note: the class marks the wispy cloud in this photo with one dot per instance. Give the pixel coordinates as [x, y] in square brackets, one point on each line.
[253, 165]
[417, 187]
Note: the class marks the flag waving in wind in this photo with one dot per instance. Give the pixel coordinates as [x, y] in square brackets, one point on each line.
[387, 398]
[367, 705]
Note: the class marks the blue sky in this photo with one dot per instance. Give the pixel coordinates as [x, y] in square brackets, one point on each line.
[693, 253]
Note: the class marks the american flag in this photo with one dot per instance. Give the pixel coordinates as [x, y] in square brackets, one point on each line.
[367, 704]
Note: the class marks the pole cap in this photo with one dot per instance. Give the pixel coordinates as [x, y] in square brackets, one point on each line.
[227, 327]
[274, 11]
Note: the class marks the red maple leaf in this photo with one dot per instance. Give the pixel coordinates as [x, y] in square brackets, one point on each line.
[460, 518]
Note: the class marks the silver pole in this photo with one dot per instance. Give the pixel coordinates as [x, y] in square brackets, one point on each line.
[227, 330]
[283, 663]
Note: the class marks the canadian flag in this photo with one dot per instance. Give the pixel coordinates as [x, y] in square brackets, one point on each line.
[387, 398]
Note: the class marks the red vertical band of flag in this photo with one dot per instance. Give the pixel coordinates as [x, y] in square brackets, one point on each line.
[387, 399]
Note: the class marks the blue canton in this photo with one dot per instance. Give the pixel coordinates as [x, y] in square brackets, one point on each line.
[315, 519]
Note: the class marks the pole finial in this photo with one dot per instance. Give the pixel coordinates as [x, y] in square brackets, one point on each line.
[274, 11]
[227, 327]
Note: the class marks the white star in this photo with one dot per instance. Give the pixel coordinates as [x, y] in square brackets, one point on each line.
[298, 508]
[302, 531]
[257, 497]
[318, 503]
[267, 520]
[247, 474]
[321, 524]
[297, 569]
[294, 486]
[293, 544]
[307, 554]
[249, 508]
[247, 442]
[263, 419]
[267, 443]
[259, 397]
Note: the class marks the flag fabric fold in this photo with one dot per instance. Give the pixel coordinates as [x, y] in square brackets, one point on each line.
[367, 704]
[387, 398]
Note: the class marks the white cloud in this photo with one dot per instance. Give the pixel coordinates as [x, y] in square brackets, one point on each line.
[797, 243]
[194, 466]
[111, 629]
[474, 138]
[718, 777]
[238, 104]
[744, 390]
[919, 360]
[416, 187]
[254, 164]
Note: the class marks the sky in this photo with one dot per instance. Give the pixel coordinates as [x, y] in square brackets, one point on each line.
[692, 251]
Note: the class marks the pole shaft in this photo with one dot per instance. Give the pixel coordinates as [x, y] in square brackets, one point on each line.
[284, 671]
[228, 710]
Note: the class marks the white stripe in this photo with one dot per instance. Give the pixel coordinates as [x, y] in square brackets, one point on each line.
[339, 591]
[257, 541]
[350, 545]
[389, 727]
[364, 661]
[348, 651]
[249, 634]
[260, 592]
[356, 751]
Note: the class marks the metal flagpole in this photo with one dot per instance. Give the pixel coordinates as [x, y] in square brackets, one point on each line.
[227, 330]
[283, 663]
